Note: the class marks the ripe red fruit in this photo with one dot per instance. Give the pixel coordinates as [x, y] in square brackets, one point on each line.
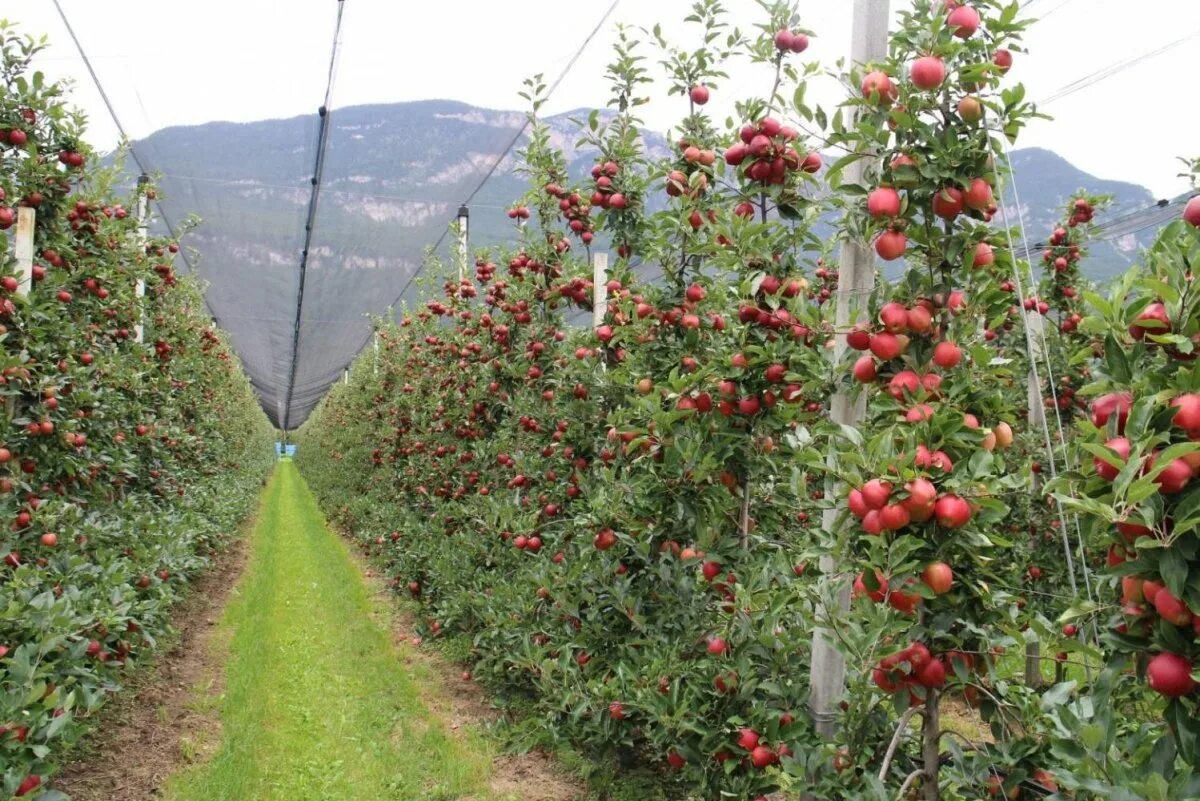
[747, 739]
[922, 495]
[616, 711]
[939, 577]
[1151, 320]
[883, 202]
[952, 511]
[699, 94]
[984, 255]
[1170, 608]
[920, 321]
[891, 245]
[905, 602]
[695, 293]
[717, 646]
[864, 369]
[762, 756]
[1187, 411]
[904, 383]
[748, 406]
[676, 760]
[1174, 477]
[948, 202]
[878, 87]
[894, 317]
[1106, 405]
[919, 413]
[1151, 589]
[978, 195]
[876, 595]
[964, 21]
[885, 346]
[932, 674]
[894, 517]
[1170, 675]
[927, 72]
[1108, 471]
[946, 355]
[31, 782]
[710, 570]
[1191, 212]
[876, 493]
[604, 539]
[1003, 59]
[859, 339]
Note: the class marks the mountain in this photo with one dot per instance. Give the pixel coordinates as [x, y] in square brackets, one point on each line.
[394, 177]
[1045, 181]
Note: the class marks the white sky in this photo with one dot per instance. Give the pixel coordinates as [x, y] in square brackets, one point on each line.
[172, 62]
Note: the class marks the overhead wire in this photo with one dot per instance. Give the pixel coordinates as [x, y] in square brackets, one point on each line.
[1112, 69]
[325, 112]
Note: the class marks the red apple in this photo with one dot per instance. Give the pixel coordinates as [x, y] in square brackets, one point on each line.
[948, 203]
[878, 87]
[964, 21]
[947, 355]
[1108, 471]
[927, 72]
[883, 202]
[1170, 675]
[891, 245]
[1106, 405]
[939, 577]
[952, 511]
[1191, 212]
[1151, 320]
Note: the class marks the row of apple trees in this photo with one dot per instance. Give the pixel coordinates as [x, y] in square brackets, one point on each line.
[124, 464]
[638, 526]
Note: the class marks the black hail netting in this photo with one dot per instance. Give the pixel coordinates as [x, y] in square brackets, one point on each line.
[394, 178]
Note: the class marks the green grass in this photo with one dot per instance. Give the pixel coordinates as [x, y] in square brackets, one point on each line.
[319, 701]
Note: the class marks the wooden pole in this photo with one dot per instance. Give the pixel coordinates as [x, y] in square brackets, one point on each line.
[26, 217]
[143, 215]
[464, 224]
[931, 745]
[856, 277]
[599, 287]
[1036, 418]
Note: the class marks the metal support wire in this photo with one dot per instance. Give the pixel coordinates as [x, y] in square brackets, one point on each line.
[311, 219]
[1019, 284]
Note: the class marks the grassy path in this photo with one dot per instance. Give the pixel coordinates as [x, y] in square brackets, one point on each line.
[319, 703]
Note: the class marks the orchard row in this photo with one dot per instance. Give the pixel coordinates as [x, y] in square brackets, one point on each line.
[124, 462]
[648, 532]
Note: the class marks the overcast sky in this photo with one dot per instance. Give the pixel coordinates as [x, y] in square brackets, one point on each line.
[172, 62]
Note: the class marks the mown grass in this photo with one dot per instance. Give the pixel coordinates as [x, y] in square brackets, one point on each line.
[320, 703]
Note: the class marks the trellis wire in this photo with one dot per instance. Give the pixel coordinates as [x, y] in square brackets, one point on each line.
[1019, 284]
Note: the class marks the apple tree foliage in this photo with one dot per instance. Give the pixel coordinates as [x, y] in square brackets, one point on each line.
[123, 465]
